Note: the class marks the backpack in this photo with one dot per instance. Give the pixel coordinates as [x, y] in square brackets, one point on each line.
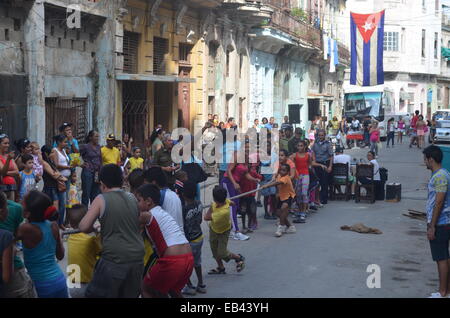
[383, 174]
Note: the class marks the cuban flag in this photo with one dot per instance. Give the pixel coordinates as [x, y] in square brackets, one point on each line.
[367, 35]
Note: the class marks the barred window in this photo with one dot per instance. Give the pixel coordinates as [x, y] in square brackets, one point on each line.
[391, 41]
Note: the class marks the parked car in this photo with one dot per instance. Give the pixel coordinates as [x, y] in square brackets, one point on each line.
[442, 131]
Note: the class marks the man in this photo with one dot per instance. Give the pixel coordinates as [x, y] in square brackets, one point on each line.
[366, 127]
[286, 124]
[110, 154]
[169, 201]
[438, 217]
[72, 143]
[231, 123]
[340, 157]
[292, 144]
[118, 273]
[284, 141]
[163, 158]
[323, 152]
[413, 130]
[256, 125]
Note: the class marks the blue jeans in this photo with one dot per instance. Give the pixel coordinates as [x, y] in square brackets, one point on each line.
[89, 187]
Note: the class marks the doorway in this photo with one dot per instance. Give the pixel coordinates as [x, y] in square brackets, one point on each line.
[163, 104]
[135, 111]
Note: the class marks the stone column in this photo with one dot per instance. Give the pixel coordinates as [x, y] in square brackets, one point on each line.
[34, 32]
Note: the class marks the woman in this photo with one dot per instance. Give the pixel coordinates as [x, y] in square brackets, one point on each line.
[231, 182]
[52, 178]
[222, 126]
[390, 132]
[401, 125]
[343, 129]
[374, 133]
[303, 161]
[265, 123]
[312, 132]
[420, 127]
[61, 161]
[268, 193]
[24, 147]
[156, 140]
[335, 123]
[376, 169]
[8, 168]
[127, 145]
[92, 157]
[216, 120]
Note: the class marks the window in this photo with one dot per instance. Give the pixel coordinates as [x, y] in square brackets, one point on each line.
[423, 43]
[228, 63]
[160, 49]
[436, 5]
[185, 52]
[435, 45]
[403, 39]
[391, 41]
[130, 52]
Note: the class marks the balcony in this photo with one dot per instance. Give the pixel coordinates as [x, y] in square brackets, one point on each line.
[210, 4]
[250, 13]
[344, 54]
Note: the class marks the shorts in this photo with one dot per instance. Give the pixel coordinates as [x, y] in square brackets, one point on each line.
[113, 280]
[170, 273]
[219, 245]
[56, 288]
[78, 292]
[20, 285]
[197, 252]
[301, 189]
[288, 201]
[420, 132]
[439, 246]
[247, 206]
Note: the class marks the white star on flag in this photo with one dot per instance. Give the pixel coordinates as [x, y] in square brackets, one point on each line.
[367, 26]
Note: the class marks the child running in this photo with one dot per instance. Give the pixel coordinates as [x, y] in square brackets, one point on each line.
[302, 160]
[41, 242]
[28, 179]
[83, 250]
[285, 194]
[175, 263]
[192, 219]
[219, 232]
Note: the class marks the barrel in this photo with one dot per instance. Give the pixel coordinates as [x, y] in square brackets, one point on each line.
[393, 192]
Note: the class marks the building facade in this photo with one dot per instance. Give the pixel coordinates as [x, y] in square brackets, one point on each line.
[412, 51]
[444, 78]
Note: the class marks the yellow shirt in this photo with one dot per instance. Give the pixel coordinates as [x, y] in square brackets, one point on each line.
[285, 190]
[83, 251]
[136, 163]
[335, 124]
[110, 155]
[221, 221]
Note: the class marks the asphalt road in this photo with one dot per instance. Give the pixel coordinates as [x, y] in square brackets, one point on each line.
[321, 260]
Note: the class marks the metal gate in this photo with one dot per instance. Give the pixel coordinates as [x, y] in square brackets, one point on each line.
[135, 111]
[59, 110]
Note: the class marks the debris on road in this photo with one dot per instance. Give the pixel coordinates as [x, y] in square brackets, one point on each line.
[361, 228]
[418, 215]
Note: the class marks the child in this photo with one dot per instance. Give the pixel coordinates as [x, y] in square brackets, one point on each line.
[135, 179]
[136, 161]
[219, 232]
[174, 266]
[83, 250]
[286, 194]
[73, 198]
[248, 203]
[181, 177]
[38, 166]
[41, 242]
[192, 220]
[28, 179]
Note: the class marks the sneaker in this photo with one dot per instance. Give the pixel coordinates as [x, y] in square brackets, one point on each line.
[187, 290]
[201, 289]
[280, 230]
[238, 236]
[436, 295]
[291, 230]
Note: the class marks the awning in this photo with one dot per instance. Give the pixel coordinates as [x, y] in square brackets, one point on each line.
[445, 52]
[153, 78]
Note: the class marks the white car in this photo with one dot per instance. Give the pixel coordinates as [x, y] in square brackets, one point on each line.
[442, 131]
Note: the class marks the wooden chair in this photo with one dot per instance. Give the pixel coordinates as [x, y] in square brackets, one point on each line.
[340, 178]
[365, 170]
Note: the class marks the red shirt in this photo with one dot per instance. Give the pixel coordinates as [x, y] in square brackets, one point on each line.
[302, 164]
[414, 121]
[247, 185]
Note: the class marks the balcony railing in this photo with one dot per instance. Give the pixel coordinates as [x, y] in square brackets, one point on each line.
[344, 53]
[301, 30]
[281, 4]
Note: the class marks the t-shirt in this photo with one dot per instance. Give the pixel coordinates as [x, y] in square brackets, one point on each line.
[192, 217]
[376, 170]
[289, 162]
[27, 183]
[285, 190]
[302, 164]
[164, 231]
[72, 198]
[12, 223]
[6, 238]
[136, 163]
[375, 136]
[239, 172]
[83, 250]
[284, 143]
[439, 182]
[355, 123]
[110, 156]
[172, 205]
[343, 159]
[69, 145]
[221, 221]
[249, 185]
[228, 149]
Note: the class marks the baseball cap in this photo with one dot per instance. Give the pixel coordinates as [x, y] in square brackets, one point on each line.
[111, 137]
[64, 126]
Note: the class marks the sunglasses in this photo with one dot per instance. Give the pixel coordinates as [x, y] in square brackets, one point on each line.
[2, 136]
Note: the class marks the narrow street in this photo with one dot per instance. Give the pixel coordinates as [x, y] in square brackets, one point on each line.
[321, 260]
